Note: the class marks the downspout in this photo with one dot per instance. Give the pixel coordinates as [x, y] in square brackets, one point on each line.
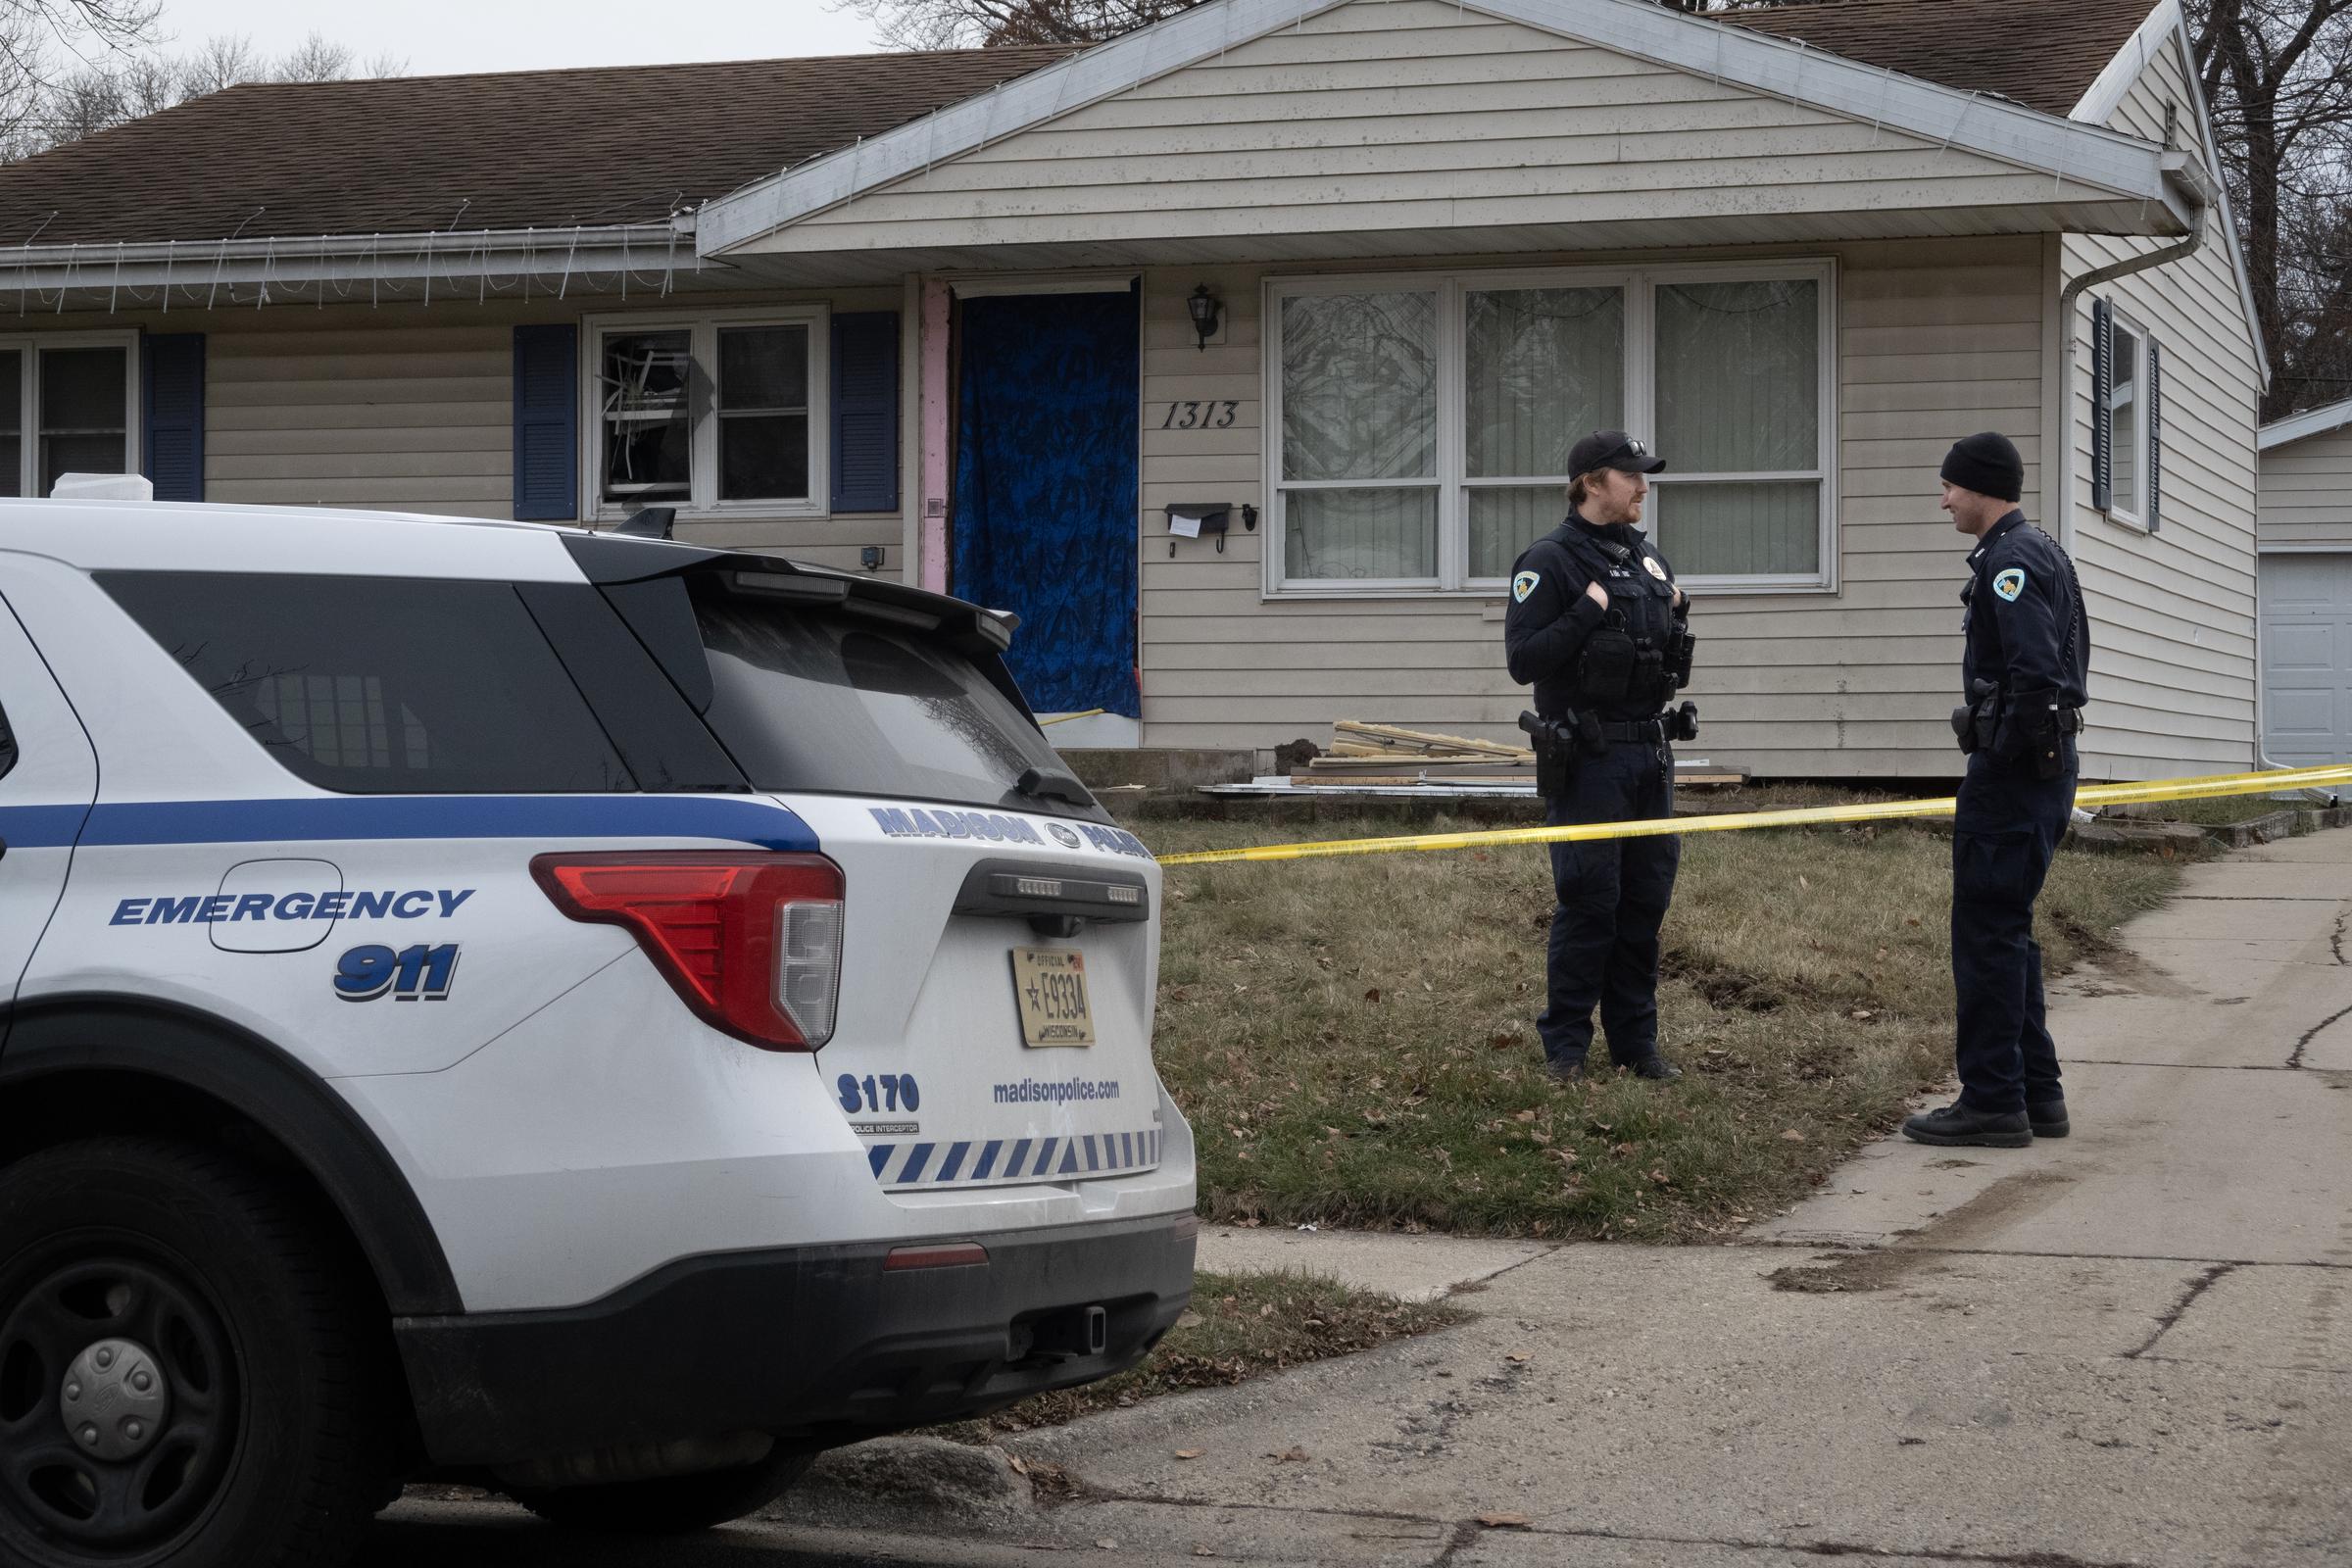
[2190, 180]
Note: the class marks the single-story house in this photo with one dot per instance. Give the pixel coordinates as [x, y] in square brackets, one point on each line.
[1241, 354]
[2305, 523]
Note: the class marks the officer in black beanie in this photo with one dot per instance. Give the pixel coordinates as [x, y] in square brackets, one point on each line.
[2025, 669]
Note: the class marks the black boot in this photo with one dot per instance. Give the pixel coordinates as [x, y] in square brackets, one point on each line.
[1656, 1067]
[2048, 1119]
[1566, 1072]
[1956, 1123]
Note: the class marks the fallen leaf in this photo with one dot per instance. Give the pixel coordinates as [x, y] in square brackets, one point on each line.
[1289, 1456]
[1801, 882]
[1794, 1136]
[1190, 1454]
[1204, 1551]
[1516, 1355]
[1504, 1521]
[1910, 919]
[1020, 1466]
[1372, 995]
[1523, 1115]
[1107, 1544]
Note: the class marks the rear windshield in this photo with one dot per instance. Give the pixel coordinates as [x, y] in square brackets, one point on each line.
[831, 702]
[380, 685]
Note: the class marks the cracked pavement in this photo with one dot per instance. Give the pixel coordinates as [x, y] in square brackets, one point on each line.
[2129, 1347]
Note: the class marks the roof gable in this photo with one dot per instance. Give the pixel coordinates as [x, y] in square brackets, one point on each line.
[1968, 134]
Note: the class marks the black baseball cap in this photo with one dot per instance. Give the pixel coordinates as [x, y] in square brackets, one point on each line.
[1612, 449]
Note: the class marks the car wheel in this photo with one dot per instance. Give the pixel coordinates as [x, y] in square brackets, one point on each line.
[673, 1505]
[184, 1377]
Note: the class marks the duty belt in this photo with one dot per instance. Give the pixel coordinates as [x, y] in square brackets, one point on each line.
[1643, 732]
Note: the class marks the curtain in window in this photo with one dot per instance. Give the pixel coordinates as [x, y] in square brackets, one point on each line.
[1545, 367]
[2123, 424]
[1359, 400]
[1738, 368]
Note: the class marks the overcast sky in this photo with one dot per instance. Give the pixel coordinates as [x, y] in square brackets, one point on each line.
[435, 37]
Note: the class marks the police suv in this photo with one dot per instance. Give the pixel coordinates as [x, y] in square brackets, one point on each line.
[600, 1016]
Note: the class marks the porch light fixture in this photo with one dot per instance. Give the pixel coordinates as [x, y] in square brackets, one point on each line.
[1203, 307]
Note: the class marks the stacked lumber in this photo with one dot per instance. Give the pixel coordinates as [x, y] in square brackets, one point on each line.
[1388, 752]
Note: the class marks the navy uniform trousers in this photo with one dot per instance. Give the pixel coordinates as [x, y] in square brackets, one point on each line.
[2005, 831]
[1612, 900]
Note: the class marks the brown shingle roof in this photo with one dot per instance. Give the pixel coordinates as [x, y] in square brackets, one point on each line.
[2042, 54]
[549, 149]
[512, 150]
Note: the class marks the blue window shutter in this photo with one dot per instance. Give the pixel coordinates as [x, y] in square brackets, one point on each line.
[173, 397]
[547, 468]
[2155, 434]
[2102, 395]
[866, 412]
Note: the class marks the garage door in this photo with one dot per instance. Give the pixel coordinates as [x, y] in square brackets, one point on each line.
[2307, 645]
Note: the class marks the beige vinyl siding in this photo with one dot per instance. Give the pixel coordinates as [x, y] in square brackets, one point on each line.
[411, 408]
[1935, 339]
[1385, 115]
[2173, 673]
[2307, 492]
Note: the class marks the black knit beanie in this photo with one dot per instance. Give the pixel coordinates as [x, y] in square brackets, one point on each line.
[1988, 465]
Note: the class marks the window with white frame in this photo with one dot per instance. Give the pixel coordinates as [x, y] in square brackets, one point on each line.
[69, 404]
[711, 413]
[2127, 416]
[1424, 419]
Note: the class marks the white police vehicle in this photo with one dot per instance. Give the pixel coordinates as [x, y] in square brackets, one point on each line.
[598, 1015]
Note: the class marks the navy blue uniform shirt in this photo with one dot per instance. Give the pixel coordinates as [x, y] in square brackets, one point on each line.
[1549, 616]
[2026, 627]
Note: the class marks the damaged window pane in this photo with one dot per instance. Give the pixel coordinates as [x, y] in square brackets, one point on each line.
[645, 381]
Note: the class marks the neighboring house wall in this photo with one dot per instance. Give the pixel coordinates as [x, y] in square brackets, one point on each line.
[2307, 493]
[2173, 671]
[410, 408]
[1935, 339]
[1400, 115]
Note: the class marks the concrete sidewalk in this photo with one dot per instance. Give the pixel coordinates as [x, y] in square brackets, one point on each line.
[2131, 1346]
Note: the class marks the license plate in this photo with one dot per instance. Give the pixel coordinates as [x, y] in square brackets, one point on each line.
[1050, 986]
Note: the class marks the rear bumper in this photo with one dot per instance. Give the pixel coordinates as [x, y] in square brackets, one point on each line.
[816, 1344]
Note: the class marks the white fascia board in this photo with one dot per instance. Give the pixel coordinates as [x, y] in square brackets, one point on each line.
[2087, 155]
[348, 257]
[2107, 90]
[2167, 26]
[2315, 422]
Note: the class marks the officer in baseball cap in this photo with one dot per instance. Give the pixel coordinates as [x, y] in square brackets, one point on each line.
[1596, 625]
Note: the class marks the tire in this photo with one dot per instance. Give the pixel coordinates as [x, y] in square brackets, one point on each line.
[263, 1443]
[674, 1505]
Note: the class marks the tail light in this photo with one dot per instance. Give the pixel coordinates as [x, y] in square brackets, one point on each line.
[750, 942]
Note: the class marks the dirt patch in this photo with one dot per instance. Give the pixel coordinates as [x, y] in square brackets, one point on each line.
[2008, 1200]
[2117, 970]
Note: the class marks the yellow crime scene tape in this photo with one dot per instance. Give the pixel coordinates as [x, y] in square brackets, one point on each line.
[2209, 786]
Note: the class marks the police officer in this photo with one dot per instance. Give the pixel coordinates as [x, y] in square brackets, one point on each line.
[2025, 671]
[1596, 625]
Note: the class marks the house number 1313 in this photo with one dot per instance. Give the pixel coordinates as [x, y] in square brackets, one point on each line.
[1212, 416]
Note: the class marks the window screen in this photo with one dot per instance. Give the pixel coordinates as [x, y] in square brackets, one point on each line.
[382, 686]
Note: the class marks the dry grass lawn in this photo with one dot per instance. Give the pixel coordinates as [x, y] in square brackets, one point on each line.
[1353, 1040]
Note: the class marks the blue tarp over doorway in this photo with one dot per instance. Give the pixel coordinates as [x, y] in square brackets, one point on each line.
[1045, 517]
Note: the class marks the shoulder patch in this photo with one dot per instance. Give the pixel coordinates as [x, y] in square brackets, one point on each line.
[2010, 584]
[1523, 585]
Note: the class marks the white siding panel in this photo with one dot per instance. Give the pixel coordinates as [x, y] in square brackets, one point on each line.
[1936, 339]
[1415, 114]
[2173, 671]
[412, 409]
[2307, 492]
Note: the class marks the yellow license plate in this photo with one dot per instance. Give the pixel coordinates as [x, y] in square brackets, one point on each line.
[1050, 986]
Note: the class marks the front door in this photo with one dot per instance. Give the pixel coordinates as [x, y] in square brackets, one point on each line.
[1045, 518]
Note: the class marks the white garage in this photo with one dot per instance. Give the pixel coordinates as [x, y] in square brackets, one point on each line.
[2307, 657]
[2305, 528]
